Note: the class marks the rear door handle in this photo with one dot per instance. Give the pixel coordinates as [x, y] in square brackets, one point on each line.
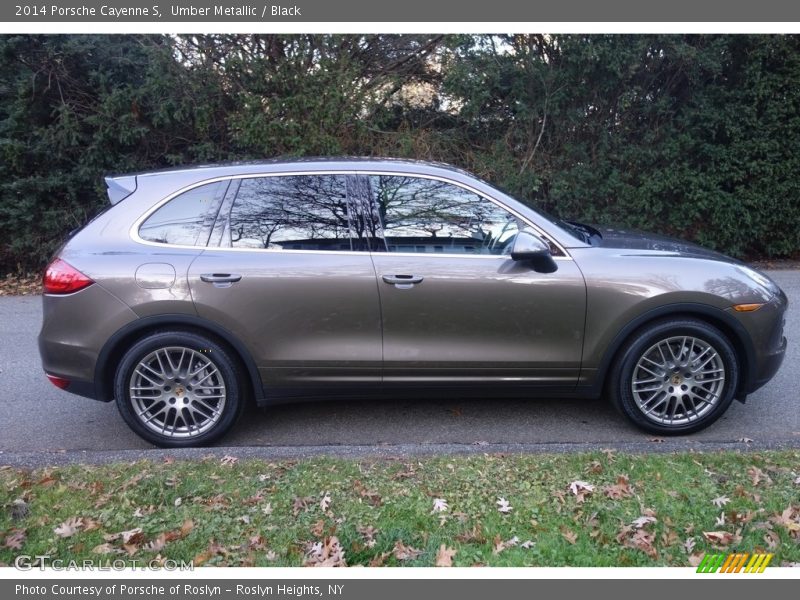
[402, 282]
[221, 278]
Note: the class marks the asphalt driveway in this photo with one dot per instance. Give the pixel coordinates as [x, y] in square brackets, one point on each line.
[36, 417]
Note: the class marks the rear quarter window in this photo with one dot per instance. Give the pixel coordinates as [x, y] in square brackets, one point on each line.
[187, 219]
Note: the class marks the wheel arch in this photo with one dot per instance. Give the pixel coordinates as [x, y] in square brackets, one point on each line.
[726, 323]
[113, 350]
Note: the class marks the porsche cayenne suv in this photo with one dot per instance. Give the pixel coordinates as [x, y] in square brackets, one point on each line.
[202, 289]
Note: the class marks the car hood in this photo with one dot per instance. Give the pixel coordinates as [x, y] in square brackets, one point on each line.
[630, 239]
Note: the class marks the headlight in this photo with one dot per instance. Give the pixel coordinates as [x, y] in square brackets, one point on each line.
[761, 279]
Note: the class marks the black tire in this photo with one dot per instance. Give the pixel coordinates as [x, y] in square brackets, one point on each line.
[226, 381]
[634, 404]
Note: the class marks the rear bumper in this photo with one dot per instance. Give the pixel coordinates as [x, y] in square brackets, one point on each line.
[74, 329]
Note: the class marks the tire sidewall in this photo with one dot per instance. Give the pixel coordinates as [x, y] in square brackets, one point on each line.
[622, 390]
[234, 402]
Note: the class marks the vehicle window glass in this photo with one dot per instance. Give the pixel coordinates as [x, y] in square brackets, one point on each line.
[431, 216]
[298, 212]
[187, 219]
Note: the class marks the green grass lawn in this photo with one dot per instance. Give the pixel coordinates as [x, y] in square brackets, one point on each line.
[596, 509]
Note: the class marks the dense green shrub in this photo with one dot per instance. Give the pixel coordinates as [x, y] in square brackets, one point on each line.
[690, 135]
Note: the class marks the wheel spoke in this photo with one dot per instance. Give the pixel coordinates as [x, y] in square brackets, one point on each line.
[165, 398]
[687, 387]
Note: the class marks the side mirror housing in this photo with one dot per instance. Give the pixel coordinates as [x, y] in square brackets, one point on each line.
[530, 248]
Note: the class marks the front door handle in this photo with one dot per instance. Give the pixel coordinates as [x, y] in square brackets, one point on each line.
[220, 279]
[402, 282]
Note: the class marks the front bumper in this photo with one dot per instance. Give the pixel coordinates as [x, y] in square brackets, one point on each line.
[769, 367]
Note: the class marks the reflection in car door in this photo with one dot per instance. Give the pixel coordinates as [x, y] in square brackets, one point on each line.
[455, 308]
[288, 279]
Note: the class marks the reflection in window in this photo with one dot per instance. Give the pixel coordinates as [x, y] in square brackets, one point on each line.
[431, 216]
[307, 212]
[187, 219]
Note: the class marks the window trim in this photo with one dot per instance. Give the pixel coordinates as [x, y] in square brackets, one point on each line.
[213, 209]
[134, 230]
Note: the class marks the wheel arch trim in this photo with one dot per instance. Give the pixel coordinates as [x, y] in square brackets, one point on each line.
[710, 314]
[114, 347]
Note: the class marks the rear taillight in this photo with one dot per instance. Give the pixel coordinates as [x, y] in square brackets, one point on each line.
[57, 381]
[62, 278]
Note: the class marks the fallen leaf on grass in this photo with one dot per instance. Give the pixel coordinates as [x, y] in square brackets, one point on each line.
[581, 490]
[757, 476]
[368, 533]
[439, 505]
[403, 552]
[325, 502]
[721, 539]
[720, 520]
[374, 498]
[689, 545]
[157, 545]
[472, 535]
[105, 548]
[696, 558]
[720, 501]
[621, 489]
[328, 553]
[299, 504]
[772, 540]
[503, 506]
[643, 521]
[500, 545]
[318, 529]
[569, 535]
[15, 539]
[69, 527]
[444, 557]
[228, 460]
[643, 540]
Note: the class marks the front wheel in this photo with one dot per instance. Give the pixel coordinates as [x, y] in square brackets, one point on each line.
[675, 377]
[178, 389]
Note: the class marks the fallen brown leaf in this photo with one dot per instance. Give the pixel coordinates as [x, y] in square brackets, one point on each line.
[403, 552]
[444, 557]
[69, 527]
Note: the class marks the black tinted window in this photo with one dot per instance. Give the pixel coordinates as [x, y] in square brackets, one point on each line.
[431, 216]
[187, 219]
[302, 212]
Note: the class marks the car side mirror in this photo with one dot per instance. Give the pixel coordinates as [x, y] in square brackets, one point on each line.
[529, 247]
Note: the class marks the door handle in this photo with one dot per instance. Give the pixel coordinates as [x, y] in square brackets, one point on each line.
[402, 282]
[220, 278]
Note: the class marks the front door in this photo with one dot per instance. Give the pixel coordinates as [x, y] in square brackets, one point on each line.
[456, 308]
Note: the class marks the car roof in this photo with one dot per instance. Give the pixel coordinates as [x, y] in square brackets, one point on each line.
[318, 163]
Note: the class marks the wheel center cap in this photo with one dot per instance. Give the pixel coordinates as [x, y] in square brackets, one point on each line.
[179, 391]
[676, 379]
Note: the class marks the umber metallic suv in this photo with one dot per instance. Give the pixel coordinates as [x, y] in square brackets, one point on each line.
[201, 289]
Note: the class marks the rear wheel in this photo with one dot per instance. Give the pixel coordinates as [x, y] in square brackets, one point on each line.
[675, 377]
[178, 389]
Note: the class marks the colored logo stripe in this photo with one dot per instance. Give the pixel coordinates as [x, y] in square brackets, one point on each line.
[733, 563]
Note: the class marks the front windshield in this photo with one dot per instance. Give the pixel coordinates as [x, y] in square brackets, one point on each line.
[577, 230]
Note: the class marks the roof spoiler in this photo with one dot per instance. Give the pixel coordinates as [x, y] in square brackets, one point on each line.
[120, 188]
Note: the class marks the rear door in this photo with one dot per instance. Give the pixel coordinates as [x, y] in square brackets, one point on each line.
[456, 308]
[289, 279]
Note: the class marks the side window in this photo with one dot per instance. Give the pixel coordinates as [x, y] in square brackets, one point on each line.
[297, 212]
[430, 216]
[187, 219]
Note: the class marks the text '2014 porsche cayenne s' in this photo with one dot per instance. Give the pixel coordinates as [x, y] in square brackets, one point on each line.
[203, 289]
